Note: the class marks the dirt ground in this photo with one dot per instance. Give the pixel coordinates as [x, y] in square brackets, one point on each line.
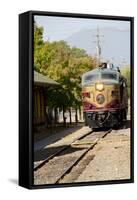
[110, 160]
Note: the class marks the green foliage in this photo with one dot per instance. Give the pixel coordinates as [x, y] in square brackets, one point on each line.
[38, 36]
[63, 64]
[55, 97]
[125, 71]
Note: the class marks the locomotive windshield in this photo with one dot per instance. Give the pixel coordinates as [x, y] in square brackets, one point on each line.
[111, 76]
[91, 78]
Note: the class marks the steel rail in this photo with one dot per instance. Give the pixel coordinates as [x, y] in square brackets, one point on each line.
[61, 150]
[81, 156]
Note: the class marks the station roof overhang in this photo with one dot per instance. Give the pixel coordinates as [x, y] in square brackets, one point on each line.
[42, 80]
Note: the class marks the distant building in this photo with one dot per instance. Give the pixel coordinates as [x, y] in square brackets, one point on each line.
[41, 83]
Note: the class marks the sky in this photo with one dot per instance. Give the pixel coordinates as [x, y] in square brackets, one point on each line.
[60, 28]
[116, 45]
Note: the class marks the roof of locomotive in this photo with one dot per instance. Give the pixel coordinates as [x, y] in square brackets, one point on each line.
[99, 70]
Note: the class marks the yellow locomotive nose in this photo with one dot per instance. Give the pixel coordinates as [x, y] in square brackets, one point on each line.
[99, 86]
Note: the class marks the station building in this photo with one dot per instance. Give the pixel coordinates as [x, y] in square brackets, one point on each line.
[41, 84]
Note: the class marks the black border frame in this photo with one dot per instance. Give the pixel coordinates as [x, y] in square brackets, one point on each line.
[26, 144]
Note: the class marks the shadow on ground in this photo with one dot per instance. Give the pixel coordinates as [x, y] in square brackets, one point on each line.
[124, 125]
[127, 124]
[44, 153]
[14, 181]
[54, 134]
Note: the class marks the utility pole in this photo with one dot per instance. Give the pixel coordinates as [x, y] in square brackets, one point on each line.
[98, 46]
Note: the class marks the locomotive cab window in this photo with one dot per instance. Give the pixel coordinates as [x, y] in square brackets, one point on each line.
[87, 79]
[110, 76]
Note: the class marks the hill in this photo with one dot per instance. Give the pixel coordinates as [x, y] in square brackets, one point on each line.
[115, 43]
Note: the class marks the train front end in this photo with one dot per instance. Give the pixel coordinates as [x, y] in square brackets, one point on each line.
[101, 98]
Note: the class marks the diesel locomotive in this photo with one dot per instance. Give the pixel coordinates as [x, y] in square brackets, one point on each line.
[104, 97]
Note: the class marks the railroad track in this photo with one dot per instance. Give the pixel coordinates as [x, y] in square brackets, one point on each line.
[87, 140]
[60, 150]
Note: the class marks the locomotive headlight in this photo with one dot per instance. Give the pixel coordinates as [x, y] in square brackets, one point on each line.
[99, 86]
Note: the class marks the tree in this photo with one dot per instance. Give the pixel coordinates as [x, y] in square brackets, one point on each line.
[125, 71]
[64, 64]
